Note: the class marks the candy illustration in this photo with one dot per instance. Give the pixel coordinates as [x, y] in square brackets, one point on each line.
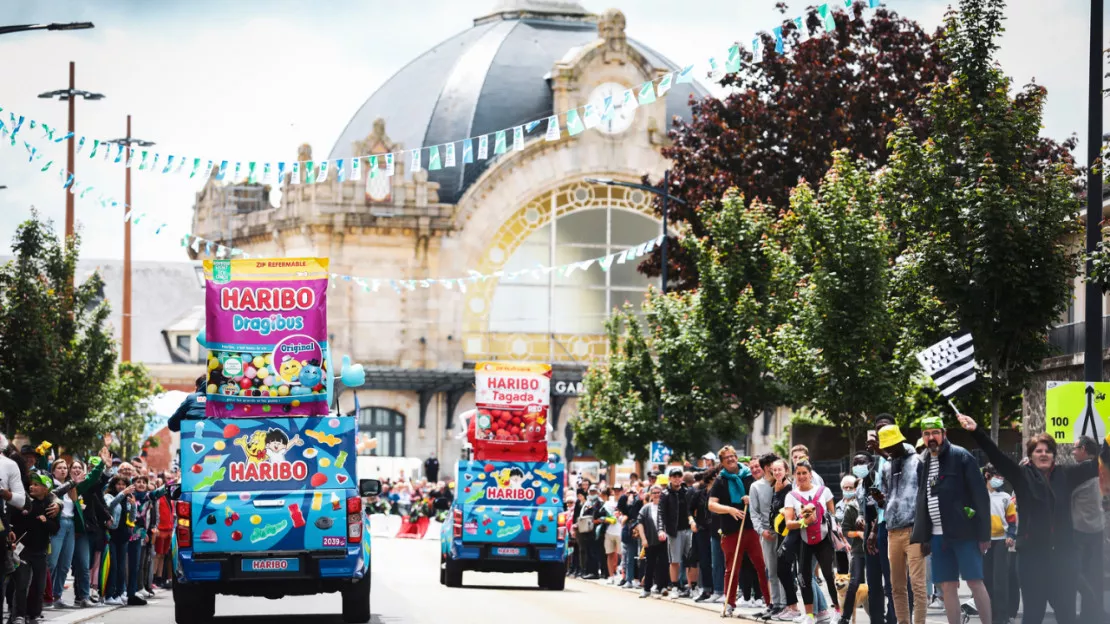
[334, 423]
[539, 515]
[212, 479]
[318, 479]
[336, 503]
[541, 500]
[508, 531]
[219, 499]
[197, 447]
[244, 496]
[219, 445]
[324, 462]
[526, 522]
[488, 468]
[309, 453]
[321, 437]
[341, 459]
[341, 478]
[324, 522]
[211, 519]
[500, 523]
[197, 468]
[264, 533]
[256, 519]
[295, 515]
[236, 535]
[546, 475]
[208, 536]
[230, 431]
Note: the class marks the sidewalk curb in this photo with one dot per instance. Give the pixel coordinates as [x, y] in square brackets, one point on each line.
[82, 615]
[716, 608]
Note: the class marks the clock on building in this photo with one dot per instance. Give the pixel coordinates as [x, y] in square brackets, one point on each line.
[621, 116]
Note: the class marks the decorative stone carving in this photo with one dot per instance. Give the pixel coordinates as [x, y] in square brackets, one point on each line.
[377, 142]
[304, 152]
[611, 27]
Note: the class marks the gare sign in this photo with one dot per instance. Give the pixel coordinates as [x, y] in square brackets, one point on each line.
[569, 388]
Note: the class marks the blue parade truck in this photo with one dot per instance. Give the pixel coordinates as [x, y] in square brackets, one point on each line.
[270, 507]
[507, 516]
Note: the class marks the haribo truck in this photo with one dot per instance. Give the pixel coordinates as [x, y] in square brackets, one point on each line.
[507, 515]
[270, 505]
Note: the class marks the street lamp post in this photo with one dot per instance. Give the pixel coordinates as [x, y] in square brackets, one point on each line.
[661, 192]
[125, 331]
[7, 30]
[1092, 356]
[71, 94]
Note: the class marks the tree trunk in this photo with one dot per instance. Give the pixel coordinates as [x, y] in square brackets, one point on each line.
[996, 406]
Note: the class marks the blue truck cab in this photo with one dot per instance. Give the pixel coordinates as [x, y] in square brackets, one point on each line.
[270, 507]
[507, 516]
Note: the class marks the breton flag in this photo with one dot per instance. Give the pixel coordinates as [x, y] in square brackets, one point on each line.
[950, 362]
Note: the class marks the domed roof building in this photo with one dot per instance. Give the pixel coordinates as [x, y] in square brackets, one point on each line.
[522, 209]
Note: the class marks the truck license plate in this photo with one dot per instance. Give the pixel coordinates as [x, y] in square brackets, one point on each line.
[505, 551]
[271, 565]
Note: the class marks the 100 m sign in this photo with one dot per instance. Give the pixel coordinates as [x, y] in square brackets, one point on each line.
[1075, 408]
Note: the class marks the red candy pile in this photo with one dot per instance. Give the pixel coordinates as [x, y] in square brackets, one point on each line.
[513, 425]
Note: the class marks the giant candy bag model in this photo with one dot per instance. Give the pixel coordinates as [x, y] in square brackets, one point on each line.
[512, 400]
[266, 331]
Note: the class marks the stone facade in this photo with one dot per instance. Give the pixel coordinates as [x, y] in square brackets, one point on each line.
[404, 232]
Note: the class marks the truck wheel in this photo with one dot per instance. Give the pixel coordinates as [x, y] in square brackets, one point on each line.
[356, 601]
[553, 576]
[442, 570]
[192, 604]
[452, 573]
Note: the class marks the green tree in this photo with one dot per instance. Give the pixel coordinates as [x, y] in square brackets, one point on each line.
[56, 353]
[128, 409]
[619, 411]
[839, 348]
[985, 208]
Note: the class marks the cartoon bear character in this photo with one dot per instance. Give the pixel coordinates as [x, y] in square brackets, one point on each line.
[290, 369]
[254, 447]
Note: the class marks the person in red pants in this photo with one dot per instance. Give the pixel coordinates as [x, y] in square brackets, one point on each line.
[729, 499]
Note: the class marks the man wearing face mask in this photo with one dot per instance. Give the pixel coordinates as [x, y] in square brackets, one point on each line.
[593, 513]
[996, 564]
[869, 512]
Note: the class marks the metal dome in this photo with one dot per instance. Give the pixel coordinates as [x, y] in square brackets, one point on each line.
[487, 78]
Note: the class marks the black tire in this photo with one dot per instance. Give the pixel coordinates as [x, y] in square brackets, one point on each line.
[553, 576]
[442, 570]
[452, 573]
[193, 604]
[356, 601]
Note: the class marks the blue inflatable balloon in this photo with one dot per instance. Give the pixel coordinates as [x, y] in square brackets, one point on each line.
[353, 376]
[201, 339]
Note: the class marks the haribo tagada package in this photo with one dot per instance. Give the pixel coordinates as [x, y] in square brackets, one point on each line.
[512, 399]
[266, 333]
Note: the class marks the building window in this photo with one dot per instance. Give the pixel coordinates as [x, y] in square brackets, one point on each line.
[579, 304]
[185, 342]
[388, 426]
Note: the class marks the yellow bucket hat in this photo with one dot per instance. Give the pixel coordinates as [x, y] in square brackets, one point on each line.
[890, 435]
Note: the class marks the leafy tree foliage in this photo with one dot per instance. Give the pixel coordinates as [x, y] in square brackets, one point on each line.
[787, 114]
[127, 408]
[985, 209]
[56, 353]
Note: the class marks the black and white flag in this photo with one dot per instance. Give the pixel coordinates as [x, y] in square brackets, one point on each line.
[950, 362]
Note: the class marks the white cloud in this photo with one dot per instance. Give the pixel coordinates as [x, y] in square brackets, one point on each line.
[254, 79]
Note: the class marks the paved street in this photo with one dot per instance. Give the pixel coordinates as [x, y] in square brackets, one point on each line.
[406, 590]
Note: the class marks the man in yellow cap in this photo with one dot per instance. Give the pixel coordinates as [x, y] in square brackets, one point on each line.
[898, 485]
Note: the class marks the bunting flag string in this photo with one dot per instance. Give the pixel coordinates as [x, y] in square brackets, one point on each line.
[575, 120]
[221, 251]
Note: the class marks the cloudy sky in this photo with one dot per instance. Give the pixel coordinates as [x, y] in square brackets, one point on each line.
[252, 79]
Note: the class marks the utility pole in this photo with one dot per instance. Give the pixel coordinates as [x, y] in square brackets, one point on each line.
[1092, 354]
[70, 95]
[125, 331]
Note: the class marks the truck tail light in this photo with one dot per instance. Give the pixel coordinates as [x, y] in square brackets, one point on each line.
[457, 520]
[184, 522]
[561, 532]
[354, 520]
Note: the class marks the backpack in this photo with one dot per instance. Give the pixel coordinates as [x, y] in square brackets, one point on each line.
[812, 533]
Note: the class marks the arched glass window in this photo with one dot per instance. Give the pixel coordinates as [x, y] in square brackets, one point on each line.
[388, 426]
[579, 304]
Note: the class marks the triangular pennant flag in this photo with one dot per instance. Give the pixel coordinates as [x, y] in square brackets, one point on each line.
[295, 175]
[281, 173]
[433, 158]
[356, 168]
[196, 244]
[390, 167]
[340, 170]
[154, 163]
[628, 101]
[415, 162]
[518, 138]
[686, 75]
[553, 132]
[223, 171]
[715, 72]
[235, 176]
[468, 151]
[647, 93]
[589, 116]
[799, 26]
[607, 108]
[606, 262]
[130, 158]
[499, 146]
[180, 165]
[266, 173]
[119, 153]
[622, 257]
[80, 146]
[664, 84]
[757, 50]
[322, 171]
[827, 19]
[196, 167]
[449, 155]
[732, 64]
[96, 146]
[531, 125]
[373, 168]
[309, 169]
[874, 4]
[251, 167]
[169, 164]
[778, 39]
[483, 145]
[574, 123]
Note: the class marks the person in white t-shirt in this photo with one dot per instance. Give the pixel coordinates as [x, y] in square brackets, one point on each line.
[807, 506]
[612, 541]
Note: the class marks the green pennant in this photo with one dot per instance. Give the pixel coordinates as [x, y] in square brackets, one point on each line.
[827, 17]
[647, 93]
[433, 158]
[373, 166]
[732, 65]
[250, 172]
[499, 146]
[310, 172]
[574, 122]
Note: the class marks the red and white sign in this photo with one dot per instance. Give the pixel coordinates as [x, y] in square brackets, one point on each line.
[512, 400]
[270, 564]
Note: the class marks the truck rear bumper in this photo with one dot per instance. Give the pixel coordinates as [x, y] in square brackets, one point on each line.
[315, 572]
[488, 558]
